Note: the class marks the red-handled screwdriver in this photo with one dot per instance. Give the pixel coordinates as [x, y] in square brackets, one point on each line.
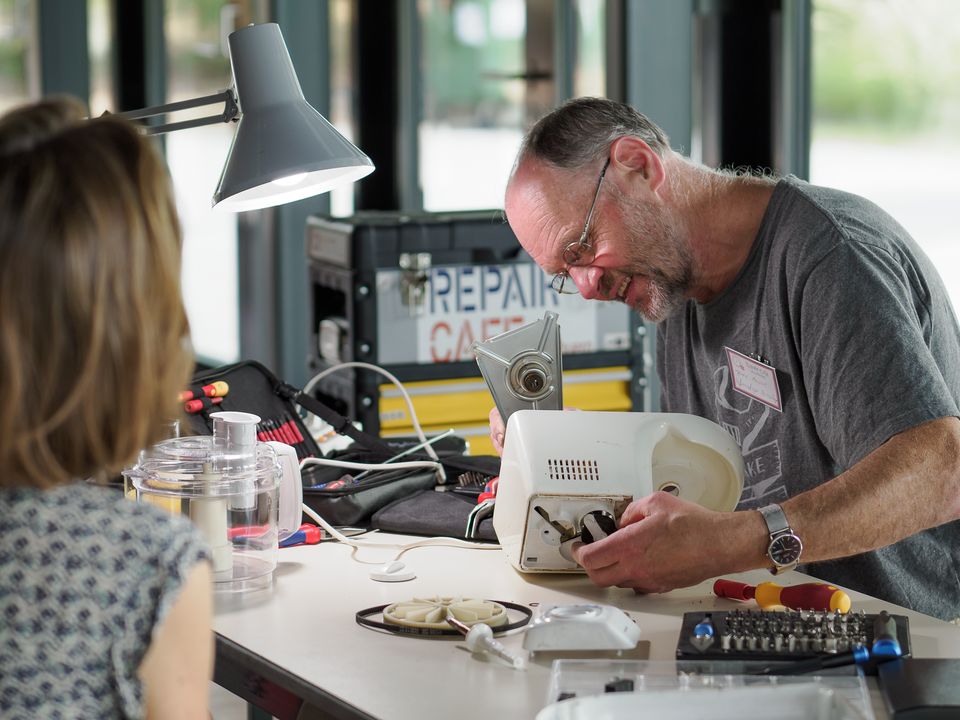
[214, 389]
[806, 596]
[197, 404]
[308, 534]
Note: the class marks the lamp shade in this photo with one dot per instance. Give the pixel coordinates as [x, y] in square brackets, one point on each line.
[283, 149]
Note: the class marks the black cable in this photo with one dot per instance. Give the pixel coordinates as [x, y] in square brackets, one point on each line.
[338, 422]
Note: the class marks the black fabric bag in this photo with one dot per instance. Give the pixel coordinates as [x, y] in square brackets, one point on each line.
[330, 491]
[427, 512]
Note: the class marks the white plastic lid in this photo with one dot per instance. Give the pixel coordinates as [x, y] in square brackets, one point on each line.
[194, 466]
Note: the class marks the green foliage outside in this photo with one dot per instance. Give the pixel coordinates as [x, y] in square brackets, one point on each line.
[12, 57]
[472, 83]
[458, 79]
[193, 30]
[886, 67]
[13, 46]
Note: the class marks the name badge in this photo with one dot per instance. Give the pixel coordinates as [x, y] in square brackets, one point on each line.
[755, 379]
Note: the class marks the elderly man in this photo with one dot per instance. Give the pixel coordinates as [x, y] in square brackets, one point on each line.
[802, 319]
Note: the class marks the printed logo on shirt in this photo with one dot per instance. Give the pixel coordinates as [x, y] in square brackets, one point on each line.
[753, 425]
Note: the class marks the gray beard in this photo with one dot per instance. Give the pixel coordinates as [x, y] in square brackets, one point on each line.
[665, 299]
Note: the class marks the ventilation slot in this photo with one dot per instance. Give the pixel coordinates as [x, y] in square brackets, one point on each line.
[572, 470]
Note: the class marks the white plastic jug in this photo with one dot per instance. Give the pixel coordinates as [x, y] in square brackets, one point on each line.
[563, 471]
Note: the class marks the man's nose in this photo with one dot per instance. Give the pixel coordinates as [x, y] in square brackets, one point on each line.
[587, 279]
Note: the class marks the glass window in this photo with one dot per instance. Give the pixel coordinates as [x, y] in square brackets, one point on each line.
[99, 32]
[473, 112]
[342, 84]
[589, 72]
[16, 33]
[198, 64]
[488, 71]
[886, 108]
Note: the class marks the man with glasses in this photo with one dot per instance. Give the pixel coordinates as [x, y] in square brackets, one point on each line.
[802, 319]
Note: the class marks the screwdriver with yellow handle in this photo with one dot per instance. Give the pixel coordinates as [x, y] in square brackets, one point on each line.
[806, 596]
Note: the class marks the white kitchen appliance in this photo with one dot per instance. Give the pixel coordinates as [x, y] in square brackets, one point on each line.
[245, 496]
[564, 472]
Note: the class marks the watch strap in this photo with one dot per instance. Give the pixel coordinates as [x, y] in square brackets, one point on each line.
[775, 518]
[777, 526]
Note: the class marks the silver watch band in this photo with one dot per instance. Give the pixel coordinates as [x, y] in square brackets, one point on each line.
[775, 518]
[780, 531]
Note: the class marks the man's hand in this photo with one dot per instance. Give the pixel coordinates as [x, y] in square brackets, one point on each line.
[497, 430]
[665, 543]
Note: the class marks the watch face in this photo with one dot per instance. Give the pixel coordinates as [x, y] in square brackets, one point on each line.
[785, 549]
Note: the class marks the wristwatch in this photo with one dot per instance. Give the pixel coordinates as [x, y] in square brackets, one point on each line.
[785, 547]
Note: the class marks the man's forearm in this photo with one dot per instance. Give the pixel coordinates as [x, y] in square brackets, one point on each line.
[908, 484]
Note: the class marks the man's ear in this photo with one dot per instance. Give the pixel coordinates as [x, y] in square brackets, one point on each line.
[632, 157]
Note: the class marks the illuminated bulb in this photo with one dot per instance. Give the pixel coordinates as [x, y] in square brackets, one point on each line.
[290, 179]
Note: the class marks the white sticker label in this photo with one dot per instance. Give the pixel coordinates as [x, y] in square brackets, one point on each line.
[754, 379]
[468, 303]
[461, 304]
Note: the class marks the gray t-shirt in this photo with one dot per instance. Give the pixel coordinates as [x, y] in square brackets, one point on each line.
[85, 577]
[838, 298]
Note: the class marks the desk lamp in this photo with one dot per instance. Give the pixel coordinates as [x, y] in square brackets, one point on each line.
[283, 149]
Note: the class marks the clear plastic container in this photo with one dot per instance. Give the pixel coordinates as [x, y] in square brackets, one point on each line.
[716, 690]
[229, 486]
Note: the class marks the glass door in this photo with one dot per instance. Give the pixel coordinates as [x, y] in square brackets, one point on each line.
[488, 69]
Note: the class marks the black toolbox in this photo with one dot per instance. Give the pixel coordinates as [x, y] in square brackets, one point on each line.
[411, 292]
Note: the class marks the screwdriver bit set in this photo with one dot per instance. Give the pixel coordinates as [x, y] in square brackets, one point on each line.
[780, 635]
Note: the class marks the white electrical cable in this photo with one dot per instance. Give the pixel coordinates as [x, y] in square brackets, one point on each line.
[356, 543]
[351, 465]
[312, 383]
[413, 449]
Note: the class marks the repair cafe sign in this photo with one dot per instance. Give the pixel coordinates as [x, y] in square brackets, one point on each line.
[476, 302]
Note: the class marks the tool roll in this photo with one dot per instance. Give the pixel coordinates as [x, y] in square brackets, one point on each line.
[405, 497]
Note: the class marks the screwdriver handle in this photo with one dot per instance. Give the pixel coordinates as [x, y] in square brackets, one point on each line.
[733, 589]
[806, 596]
[886, 645]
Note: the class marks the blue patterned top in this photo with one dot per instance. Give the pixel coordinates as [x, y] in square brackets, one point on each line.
[85, 576]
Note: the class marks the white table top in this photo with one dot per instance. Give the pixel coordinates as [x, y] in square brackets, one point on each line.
[306, 626]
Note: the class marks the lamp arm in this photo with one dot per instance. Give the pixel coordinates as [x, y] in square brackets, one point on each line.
[230, 112]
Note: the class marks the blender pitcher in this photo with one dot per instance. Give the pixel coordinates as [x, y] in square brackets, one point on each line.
[245, 496]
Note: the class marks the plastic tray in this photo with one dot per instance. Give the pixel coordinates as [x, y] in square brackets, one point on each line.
[607, 689]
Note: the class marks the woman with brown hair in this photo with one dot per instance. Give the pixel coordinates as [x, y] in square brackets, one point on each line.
[105, 604]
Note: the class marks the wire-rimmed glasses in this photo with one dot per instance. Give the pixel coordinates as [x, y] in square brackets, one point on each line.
[581, 251]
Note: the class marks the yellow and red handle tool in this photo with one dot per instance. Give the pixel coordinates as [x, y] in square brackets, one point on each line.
[214, 389]
[806, 596]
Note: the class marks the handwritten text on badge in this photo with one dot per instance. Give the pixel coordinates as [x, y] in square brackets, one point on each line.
[754, 379]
